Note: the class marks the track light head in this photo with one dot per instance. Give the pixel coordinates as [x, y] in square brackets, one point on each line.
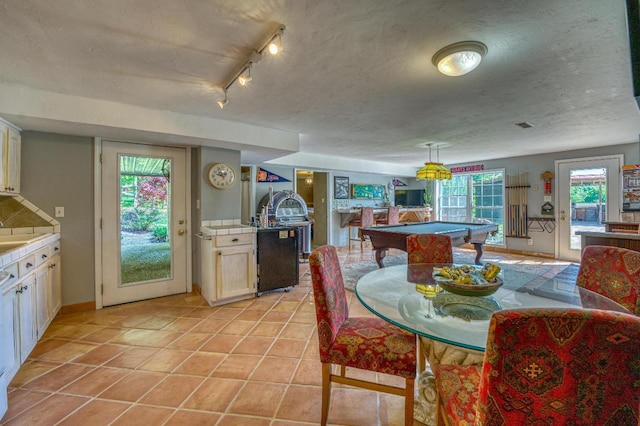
[275, 45]
[223, 102]
[245, 76]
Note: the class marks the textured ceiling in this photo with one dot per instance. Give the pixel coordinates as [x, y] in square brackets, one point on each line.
[355, 78]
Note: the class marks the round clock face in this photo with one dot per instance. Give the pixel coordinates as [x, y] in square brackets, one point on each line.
[221, 175]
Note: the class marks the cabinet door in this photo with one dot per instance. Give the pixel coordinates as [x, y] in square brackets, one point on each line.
[55, 285]
[4, 142]
[42, 309]
[27, 314]
[12, 161]
[9, 339]
[235, 272]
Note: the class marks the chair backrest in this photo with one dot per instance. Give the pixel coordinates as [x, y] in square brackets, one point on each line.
[429, 248]
[613, 272]
[332, 308]
[393, 215]
[561, 366]
[366, 217]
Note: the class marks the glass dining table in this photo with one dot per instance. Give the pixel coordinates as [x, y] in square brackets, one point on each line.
[397, 294]
[453, 328]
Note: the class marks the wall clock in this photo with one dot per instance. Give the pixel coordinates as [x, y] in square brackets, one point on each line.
[221, 175]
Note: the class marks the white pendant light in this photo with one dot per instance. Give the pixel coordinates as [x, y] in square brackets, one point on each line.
[459, 58]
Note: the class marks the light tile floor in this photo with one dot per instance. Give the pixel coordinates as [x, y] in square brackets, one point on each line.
[177, 361]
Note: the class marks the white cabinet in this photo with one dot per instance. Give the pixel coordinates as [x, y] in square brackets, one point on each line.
[29, 299]
[12, 150]
[54, 280]
[27, 314]
[11, 142]
[229, 268]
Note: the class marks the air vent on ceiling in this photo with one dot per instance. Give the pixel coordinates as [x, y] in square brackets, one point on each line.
[524, 125]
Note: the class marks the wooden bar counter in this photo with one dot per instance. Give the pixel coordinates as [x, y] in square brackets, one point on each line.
[615, 239]
[407, 214]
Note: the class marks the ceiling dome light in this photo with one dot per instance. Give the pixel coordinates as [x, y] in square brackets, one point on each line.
[459, 58]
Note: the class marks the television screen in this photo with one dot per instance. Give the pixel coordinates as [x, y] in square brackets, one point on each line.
[409, 197]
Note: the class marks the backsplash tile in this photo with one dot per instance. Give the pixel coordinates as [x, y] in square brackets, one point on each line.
[17, 212]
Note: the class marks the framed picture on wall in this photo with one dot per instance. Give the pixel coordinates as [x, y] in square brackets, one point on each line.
[340, 187]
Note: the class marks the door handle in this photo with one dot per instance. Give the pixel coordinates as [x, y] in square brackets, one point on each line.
[180, 231]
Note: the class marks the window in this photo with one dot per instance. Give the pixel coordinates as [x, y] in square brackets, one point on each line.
[474, 197]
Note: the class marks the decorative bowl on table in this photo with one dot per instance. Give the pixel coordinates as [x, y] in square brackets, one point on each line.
[467, 280]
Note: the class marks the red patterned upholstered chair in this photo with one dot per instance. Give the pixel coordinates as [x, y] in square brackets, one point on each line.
[429, 248]
[364, 343]
[392, 217]
[548, 367]
[613, 272]
[363, 221]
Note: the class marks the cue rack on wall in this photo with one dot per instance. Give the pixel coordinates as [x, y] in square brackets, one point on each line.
[517, 202]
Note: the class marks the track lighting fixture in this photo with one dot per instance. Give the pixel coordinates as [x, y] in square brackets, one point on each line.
[275, 45]
[224, 101]
[243, 75]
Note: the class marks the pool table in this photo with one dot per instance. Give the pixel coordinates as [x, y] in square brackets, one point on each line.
[395, 236]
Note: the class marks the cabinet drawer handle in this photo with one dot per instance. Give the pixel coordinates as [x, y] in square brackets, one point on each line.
[11, 276]
[44, 256]
[235, 240]
[29, 265]
[19, 290]
[56, 248]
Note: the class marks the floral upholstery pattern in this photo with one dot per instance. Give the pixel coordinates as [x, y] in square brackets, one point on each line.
[366, 343]
[549, 366]
[429, 248]
[613, 272]
[458, 391]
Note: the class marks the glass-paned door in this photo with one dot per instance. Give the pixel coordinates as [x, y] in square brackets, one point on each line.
[589, 193]
[474, 197]
[145, 228]
[144, 224]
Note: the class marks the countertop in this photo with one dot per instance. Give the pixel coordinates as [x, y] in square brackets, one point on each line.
[13, 247]
[619, 235]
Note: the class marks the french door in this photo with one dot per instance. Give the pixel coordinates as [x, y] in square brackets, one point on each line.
[143, 213]
[589, 193]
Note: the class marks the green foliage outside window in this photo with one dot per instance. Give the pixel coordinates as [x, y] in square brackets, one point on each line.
[588, 194]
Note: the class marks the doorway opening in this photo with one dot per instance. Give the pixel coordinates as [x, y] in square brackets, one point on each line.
[588, 200]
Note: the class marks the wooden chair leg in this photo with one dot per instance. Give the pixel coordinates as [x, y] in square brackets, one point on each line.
[326, 392]
[408, 401]
[422, 356]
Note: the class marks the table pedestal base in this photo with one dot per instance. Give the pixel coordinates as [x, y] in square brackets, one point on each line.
[437, 353]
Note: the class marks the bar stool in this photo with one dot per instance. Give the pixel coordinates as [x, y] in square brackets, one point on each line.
[365, 220]
[393, 217]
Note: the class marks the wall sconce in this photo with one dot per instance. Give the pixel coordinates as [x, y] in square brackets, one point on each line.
[243, 75]
[309, 180]
[459, 58]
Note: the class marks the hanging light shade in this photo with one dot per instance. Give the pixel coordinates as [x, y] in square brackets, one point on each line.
[433, 171]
